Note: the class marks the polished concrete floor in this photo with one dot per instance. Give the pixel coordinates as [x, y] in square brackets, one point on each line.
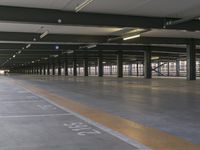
[169, 105]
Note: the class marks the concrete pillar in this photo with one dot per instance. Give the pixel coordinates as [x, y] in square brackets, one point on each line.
[191, 60]
[100, 65]
[74, 66]
[37, 68]
[53, 66]
[59, 66]
[130, 70]
[177, 67]
[32, 69]
[66, 66]
[159, 68]
[86, 67]
[147, 64]
[48, 67]
[44, 69]
[137, 68]
[168, 73]
[40, 66]
[110, 69]
[120, 64]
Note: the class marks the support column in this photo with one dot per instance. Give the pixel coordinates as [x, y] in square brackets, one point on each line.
[53, 66]
[37, 68]
[120, 64]
[44, 68]
[147, 64]
[86, 67]
[100, 65]
[111, 70]
[177, 67]
[40, 68]
[191, 60]
[137, 69]
[168, 73]
[159, 68]
[130, 70]
[66, 66]
[74, 66]
[59, 66]
[48, 67]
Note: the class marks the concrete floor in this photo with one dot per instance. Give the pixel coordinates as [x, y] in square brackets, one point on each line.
[29, 122]
[170, 105]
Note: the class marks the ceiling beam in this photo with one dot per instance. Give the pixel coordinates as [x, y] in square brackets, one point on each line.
[22, 38]
[47, 16]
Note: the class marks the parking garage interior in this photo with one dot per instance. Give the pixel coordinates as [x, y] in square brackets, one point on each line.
[99, 75]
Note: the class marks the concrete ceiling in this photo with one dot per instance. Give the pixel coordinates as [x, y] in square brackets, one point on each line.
[161, 8]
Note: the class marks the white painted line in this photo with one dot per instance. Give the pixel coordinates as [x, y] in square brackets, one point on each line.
[103, 128]
[29, 116]
[23, 101]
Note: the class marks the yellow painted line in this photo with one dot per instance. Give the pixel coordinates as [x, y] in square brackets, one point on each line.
[153, 138]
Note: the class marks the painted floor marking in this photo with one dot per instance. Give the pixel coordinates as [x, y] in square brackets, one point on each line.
[30, 116]
[98, 125]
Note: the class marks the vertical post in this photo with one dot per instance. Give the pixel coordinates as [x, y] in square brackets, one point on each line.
[74, 65]
[159, 68]
[48, 67]
[40, 68]
[37, 68]
[95, 68]
[130, 70]
[177, 67]
[85, 66]
[66, 65]
[147, 64]
[53, 66]
[168, 73]
[100, 65]
[120, 64]
[191, 60]
[44, 68]
[137, 68]
[32, 69]
[59, 66]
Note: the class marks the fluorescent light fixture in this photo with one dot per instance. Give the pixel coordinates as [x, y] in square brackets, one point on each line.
[19, 52]
[82, 5]
[104, 62]
[155, 58]
[33, 62]
[14, 56]
[91, 46]
[131, 37]
[29, 45]
[44, 34]
[70, 52]
[34, 39]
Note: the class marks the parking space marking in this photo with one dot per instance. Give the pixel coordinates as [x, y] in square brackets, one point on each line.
[151, 137]
[110, 131]
[21, 101]
[29, 116]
